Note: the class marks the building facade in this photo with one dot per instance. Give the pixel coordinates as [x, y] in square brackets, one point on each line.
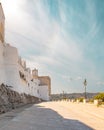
[14, 72]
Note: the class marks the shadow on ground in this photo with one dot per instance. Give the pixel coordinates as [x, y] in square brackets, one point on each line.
[37, 117]
[8, 116]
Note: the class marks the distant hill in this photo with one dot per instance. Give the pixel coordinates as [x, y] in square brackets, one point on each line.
[72, 95]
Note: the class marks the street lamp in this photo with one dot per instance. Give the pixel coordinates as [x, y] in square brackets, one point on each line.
[63, 95]
[85, 84]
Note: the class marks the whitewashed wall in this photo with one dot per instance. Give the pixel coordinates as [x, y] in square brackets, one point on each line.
[11, 67]
[9, 74]
[43, 92]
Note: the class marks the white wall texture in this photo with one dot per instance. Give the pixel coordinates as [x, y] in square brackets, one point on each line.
[9, 74]
[43, 92]
[11, 67]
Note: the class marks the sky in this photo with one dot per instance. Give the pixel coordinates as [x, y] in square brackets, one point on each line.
[63, 39]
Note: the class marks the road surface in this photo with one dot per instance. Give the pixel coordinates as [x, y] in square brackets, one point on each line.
[54, 116]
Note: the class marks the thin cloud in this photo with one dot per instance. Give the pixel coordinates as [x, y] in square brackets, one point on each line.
[100, 83]
[79, 78]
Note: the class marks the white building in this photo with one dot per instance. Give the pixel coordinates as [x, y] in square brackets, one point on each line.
[13, 70]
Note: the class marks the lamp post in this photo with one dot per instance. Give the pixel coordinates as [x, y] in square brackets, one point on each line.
[85, 84]
[63, 95]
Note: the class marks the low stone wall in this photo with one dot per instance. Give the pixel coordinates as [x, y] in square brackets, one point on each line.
[10, 99]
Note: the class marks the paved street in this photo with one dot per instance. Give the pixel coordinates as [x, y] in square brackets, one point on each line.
[54, 116]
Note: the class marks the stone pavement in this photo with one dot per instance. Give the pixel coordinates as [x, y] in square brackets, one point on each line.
[43, 116]
[38, 117]
[88, 114]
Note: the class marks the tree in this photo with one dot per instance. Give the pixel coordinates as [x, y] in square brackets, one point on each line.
[100, 96]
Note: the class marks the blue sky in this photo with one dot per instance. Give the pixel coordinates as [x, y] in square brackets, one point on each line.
[62, 38]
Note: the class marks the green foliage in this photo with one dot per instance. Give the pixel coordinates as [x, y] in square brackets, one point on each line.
[91, 100]
[99, 96]
[80, 99]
